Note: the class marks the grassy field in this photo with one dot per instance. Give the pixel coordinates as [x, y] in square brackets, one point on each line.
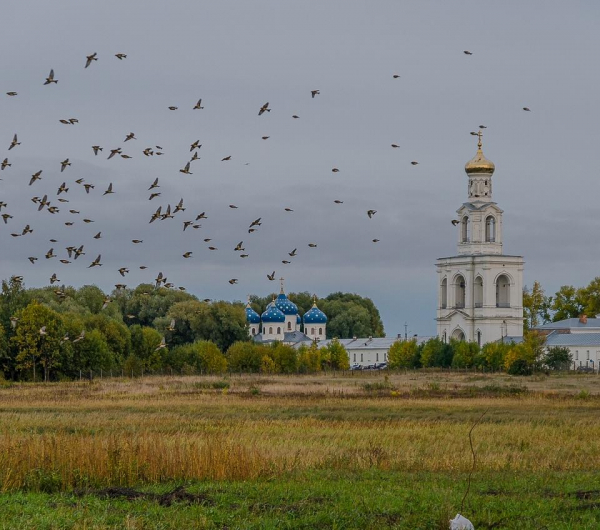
[361, 450]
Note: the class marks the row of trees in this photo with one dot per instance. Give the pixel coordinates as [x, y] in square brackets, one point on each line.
[519, 359]
[60, 333]
[567, 302]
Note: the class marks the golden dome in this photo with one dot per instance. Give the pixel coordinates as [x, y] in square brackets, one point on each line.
[479, 163]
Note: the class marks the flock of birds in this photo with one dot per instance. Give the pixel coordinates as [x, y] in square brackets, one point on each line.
[74, 252]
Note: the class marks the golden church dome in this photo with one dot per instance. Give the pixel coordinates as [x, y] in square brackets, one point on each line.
[479, 163]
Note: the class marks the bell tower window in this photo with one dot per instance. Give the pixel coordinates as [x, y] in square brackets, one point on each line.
[465, 229]
[444, 301]
[502, 291]
[459, 297]
[490, 229]
[478, 292]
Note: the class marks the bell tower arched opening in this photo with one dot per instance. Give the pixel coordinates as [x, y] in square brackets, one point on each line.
[503, 291]
[459, 292]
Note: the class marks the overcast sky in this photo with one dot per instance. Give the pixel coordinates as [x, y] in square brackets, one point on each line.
[237, 55]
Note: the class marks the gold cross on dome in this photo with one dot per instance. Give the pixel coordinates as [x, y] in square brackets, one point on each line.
[281, 283]
[479, 135]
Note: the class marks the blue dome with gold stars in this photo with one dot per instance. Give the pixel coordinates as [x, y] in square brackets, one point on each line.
[272, 314]
[285, 305]
[252, 317]
[315, 316]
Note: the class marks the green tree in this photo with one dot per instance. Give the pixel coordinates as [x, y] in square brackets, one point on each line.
[144, 344]
[285, 358]
[493, 355]
[589, 297]
[92, 353]
[245, 356]
[210, 358]
[222, 323]
[558, 358]
[336, 356]
[465, 354]
[433, 351]
[403, 354]
[535, 307]
[34, 346]
[309, 358]
[116, 334]
[524, 358]
[566, 303]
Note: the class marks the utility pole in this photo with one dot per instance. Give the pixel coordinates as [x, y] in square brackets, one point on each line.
[405, 331]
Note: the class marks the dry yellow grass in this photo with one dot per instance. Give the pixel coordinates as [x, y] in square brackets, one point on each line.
[122, 432]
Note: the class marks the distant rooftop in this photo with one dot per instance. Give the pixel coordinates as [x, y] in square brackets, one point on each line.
[571, 323]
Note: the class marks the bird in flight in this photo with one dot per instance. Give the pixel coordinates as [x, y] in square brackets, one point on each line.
[526, 109]
[50, 79]
[198, 106]
[264, 108]
[5, 164]
[467, 52]
[371, 213]
[109, 190]
[14, 142]
[64, 164]
[120, 56]
[96, 262]
[90, 58]
[455, 222]
[271, 277]
[313, 93]
[186, 169]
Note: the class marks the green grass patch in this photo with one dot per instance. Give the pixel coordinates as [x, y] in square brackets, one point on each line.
[326, 499]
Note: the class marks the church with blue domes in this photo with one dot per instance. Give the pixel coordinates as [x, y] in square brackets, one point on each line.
[281, 322]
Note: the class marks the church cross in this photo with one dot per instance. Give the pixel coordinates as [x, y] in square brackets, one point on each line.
[479, 135]
[281, 284]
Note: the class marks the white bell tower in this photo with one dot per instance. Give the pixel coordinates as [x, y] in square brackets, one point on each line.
[480, 290]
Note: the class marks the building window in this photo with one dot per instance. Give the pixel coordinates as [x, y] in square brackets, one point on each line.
[502, 291]
[588, 355]
[253, 331]
[490, 229]
[459, 297]
[361, 357]
[320, 331]
[478, 292]
[355, 357]
[289, 325]
[444, 293]
[270, 331]
[312, 331]
[278, 330]
[376, 357]
[465, 230]
[444, 337]
[479, 338]
[385, 357]
[576, 355]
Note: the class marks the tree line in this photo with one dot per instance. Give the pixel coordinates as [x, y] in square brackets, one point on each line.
[61, 333]
[517, 359]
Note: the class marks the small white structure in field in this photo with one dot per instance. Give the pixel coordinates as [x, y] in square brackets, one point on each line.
[461, 523]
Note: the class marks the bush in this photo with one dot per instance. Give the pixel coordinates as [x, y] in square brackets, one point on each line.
[404, 354]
